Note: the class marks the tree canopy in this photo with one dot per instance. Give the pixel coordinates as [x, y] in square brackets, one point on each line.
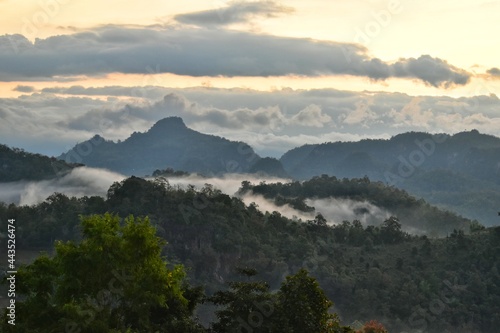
[113, 280]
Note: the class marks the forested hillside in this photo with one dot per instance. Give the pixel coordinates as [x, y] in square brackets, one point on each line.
[370, 272]
[17, 164]
[168, 144]
[459, 172]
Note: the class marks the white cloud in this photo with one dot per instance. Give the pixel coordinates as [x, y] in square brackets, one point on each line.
[79, 182]
[271, 122]
[311, 116]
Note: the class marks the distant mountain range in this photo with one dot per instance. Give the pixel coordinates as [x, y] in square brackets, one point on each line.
[168, 144]
[400, 158]
[458, 172]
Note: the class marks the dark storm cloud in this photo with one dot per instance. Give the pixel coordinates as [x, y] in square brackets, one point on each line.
[202, 52]
[234, 12]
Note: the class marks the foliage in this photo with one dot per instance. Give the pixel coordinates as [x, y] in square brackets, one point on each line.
[300, 305]
[372, 327]
[369, 271]
[114, 279]
[170, 144]
[17, 164]
[414, 213]
[243, 305]
[457, 172]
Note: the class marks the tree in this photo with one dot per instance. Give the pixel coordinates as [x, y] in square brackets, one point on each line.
[320, 220]
[303, 307]
[247, 306]
[372, 326]
[114, 279]
[391, 231]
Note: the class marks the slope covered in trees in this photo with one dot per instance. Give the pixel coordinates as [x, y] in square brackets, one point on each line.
[408, 283]
[115, 280]
[17, 164]
[460, 172]
[168, 144]
[414, 214]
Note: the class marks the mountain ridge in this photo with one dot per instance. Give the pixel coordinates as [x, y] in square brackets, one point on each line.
[169, 143]
[415, 161]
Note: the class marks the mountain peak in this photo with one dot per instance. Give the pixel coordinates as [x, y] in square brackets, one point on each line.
[169, 123]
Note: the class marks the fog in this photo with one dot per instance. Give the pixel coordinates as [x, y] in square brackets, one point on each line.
[79, 182]
[228, 183]
[333, 210]
[337, 210]
[85, 181]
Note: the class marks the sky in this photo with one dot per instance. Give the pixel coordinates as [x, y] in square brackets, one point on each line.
[276, 74]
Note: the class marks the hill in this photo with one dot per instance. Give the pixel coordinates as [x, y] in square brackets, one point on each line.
[17, 164]
[269, 166]
[459, 172]
[409, 283]
[414, 215]
[168, 144]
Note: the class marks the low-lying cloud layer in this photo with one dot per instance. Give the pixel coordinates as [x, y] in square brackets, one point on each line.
[79, 182]
[89, 181]
[54, 120]
[205, 52]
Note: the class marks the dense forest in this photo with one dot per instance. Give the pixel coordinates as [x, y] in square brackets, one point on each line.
[17, 164]
[458, 172]
[406, 282]
[169, 143]
[416, 214]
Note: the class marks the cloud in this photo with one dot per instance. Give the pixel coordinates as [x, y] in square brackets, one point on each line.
[362, 114]
[25, 89]
[493, 71]
[205, 52]
[79, 182]
[311, 116]
[335, 211]
[85, 181]
[271, 122]
[412, 115]
[433, 71]
[234, 12]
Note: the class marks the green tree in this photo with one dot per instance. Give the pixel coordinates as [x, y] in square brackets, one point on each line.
[114, 279]
[303, 307]
[248, 306]
[391, 231]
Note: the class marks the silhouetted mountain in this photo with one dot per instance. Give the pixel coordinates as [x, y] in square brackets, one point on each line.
[269, 166]
[168, 144]
[465, 166]
[17, 164]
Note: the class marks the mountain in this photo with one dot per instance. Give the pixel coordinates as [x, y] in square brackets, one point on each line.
[270, 167]
[168, 144]
[460, 172]
[410, 283]
[17, 164]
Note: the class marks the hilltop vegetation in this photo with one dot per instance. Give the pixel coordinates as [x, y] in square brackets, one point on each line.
[459, 172]
[168, 144]
[17, 164]
[370, 272]
[414, 214]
